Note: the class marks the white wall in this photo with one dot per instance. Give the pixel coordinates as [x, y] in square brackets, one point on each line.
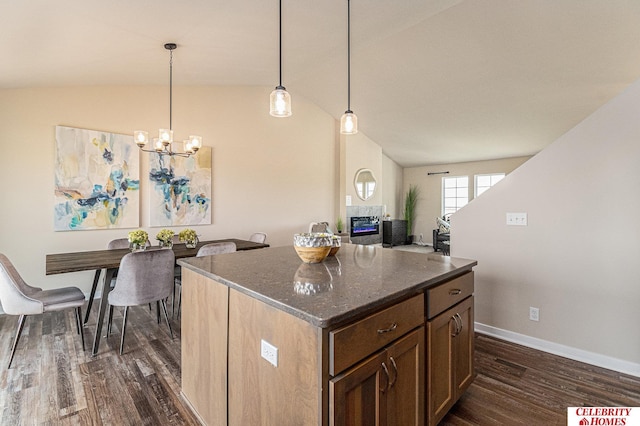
[429, 205]
[269, 174]
[577, 258]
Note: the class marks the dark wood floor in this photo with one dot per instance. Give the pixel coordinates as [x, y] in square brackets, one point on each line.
[54, 382]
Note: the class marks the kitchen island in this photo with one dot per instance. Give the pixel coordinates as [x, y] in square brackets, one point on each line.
[267, 339]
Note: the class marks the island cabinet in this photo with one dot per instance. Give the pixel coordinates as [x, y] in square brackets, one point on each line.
[385, 387]
[384, 340]
[450, 347]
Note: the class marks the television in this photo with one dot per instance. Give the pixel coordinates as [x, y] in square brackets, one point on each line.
[364, 225]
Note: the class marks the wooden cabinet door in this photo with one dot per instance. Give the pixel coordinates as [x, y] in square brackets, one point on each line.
[463, 347]
[405, 394]
[355, 396]
[440, 350]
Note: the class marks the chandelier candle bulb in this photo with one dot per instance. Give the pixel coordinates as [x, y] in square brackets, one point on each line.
[141, 137]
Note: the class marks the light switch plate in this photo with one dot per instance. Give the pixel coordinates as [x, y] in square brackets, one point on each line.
[517, 219]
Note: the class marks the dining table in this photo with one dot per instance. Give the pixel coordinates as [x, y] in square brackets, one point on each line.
[109, 260]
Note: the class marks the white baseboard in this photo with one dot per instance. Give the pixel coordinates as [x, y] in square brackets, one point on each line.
[592, 358]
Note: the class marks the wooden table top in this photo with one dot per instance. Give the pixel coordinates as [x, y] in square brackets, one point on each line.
[60, 263]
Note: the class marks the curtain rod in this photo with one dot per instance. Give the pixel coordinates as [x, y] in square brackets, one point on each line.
[437, 173]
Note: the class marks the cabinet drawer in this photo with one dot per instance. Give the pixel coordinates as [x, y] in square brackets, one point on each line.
[354, 342]
[445, 295]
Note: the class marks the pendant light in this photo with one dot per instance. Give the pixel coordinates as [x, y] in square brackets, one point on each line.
[349, 121]
[163, 145]
[280, 100]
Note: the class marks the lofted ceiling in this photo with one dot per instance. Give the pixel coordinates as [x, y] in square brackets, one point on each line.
[432, 81]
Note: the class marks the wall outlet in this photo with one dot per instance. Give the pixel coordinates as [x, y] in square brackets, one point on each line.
[534, 314]
[517, 219]
[269, 352]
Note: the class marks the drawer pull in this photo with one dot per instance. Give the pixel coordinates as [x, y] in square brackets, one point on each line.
[454, 292]
[387, 330]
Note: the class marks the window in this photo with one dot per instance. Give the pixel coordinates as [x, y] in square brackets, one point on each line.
[455, 194]
[484, 182]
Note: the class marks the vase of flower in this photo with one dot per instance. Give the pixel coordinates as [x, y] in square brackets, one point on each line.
[165, 238]
[189, 237]
[138, 240]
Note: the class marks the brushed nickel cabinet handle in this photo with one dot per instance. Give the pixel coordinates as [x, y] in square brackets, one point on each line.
[387, 330]
[461, 323]
[395, 367]
[455, 321]
[454, 292]
[386, 372]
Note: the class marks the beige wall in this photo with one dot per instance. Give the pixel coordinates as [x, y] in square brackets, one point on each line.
[392, 180]
[430, 187]
[272, 175]
[361, 153]
[577, 260]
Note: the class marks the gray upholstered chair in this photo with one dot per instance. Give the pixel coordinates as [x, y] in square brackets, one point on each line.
[118, 243]
[207, 250]
[320, 227]
[143, 277]
[19, 298]
[216, 248]
[258, 237]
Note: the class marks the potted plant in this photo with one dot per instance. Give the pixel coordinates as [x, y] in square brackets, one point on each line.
[165, 237]
[188, 237]
[339, 225]
[138, 240]
[410, 202]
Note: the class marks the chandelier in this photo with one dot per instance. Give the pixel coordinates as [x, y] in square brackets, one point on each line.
[163, 144]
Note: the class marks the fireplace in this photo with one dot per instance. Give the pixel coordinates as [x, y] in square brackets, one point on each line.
[364, 225]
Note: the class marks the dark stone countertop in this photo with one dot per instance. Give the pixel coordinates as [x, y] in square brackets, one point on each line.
[358, 280]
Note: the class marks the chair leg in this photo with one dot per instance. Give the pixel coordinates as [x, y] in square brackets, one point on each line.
[110, 321]
[158, 311]
[179, 301]
[17, 338]
[124, 328]
[166, 317]
[173, 302]
[79, 324]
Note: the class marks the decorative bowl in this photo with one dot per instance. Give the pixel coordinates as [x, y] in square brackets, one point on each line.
[312, 247]
[336, 242]
[312, 279]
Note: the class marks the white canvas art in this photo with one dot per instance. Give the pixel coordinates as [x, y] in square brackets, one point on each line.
[180, 189]
[97, 180]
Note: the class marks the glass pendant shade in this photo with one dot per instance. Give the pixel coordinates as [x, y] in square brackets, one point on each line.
[349, 123]
[141, 137]
[280, 103]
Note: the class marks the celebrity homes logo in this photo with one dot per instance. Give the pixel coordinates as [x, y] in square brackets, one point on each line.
[603, 416]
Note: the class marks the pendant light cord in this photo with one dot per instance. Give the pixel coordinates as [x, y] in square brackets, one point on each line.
[349, 55]
[280, 42]
[170, 88]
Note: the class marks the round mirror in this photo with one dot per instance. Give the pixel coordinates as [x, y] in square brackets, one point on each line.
[365, 184]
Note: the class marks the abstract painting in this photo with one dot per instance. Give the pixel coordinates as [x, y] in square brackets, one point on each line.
[180, 192]
[97, 180]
